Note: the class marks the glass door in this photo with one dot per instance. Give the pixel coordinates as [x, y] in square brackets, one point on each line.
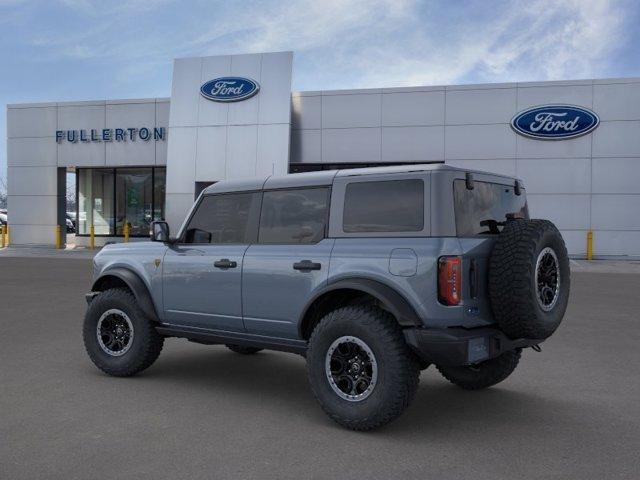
[134, 200]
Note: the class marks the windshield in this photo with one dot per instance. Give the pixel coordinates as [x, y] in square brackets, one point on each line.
[484, 210]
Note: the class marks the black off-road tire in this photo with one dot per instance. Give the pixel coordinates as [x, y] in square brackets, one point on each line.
[146, 344]
[484, 374]
[512, 279]
[243, 350]
[398, 368]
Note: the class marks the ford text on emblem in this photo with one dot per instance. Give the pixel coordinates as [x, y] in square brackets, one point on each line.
[229, 89]
[555, 122]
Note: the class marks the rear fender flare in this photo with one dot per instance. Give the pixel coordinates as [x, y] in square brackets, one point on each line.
[395, 303]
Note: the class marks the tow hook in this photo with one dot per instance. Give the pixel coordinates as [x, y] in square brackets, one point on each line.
[536, 348]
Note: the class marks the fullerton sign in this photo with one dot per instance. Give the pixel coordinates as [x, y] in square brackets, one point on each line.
[111, 135]
[555, 122]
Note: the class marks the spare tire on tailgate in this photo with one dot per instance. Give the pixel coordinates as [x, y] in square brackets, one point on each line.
[529, 279]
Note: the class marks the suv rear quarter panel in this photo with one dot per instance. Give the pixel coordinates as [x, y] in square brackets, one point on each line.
[371, 258]
[408, 261]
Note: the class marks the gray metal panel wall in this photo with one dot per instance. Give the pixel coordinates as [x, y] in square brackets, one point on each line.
[34, 158]
[590, 182]
[212, 141]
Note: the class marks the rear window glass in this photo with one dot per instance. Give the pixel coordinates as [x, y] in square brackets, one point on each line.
[388, 206]
[484, 209]
[294, 216]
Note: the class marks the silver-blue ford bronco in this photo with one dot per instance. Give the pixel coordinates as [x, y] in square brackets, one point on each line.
[371, 274]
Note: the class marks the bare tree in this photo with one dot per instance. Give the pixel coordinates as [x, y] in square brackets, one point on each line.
[3, 192]
[71, 192]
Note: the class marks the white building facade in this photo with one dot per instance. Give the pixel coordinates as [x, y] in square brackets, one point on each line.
[235, 116]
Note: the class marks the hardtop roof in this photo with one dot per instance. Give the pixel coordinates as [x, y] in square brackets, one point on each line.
[325, 177]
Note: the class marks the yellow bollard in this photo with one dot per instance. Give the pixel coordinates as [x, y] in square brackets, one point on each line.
[589, 245]
[126, 232]
[92, 237]
[58, 237]
[2, 239]
[6, 229]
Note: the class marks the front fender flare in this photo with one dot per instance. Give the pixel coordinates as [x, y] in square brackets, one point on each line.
[135, 284]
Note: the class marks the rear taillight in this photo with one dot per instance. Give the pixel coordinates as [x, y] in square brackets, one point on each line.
[449, 280]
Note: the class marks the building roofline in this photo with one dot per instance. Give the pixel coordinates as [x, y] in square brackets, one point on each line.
[311, 93]
[470, 86]
[84, 103]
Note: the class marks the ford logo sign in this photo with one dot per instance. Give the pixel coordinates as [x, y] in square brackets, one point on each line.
[229, 89]
[555, 122]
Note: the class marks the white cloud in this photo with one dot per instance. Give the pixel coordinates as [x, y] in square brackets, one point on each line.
[361, 43]
[389, 43]
[539, 40]
[561, 39]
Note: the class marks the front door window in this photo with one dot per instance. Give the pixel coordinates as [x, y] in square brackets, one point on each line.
[202, 272]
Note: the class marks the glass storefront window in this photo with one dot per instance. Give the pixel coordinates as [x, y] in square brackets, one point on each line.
[107, 198]
[95, 201]
[134, 197]
[159, 183]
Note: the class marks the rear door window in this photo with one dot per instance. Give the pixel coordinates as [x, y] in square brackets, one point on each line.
[294, 216]
[385, 206]
[484, 210]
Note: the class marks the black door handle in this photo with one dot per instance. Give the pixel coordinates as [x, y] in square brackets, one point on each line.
[225, 263]
[306, 265]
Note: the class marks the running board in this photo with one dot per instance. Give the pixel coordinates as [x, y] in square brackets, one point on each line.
[212, 337]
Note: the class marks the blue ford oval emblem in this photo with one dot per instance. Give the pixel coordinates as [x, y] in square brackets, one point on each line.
[229, 89]
[555, 122]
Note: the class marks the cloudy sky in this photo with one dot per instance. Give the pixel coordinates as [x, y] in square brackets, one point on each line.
[96, 49]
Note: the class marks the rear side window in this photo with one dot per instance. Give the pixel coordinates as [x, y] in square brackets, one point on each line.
[294, 216]
[387, 206]
[226, 218]
[484, 209]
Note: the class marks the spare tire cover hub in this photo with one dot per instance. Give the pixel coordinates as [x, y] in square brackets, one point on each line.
[547, 279]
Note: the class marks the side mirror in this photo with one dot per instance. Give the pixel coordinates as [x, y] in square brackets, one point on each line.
[517, 188]
[159, 231]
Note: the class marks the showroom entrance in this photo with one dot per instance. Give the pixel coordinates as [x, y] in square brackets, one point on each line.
[110, 198]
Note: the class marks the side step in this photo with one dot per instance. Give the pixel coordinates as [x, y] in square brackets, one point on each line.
[212, 337]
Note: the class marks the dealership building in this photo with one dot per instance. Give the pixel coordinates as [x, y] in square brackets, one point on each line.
[575, 144]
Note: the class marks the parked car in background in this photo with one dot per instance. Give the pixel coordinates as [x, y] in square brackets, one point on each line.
[71, 227]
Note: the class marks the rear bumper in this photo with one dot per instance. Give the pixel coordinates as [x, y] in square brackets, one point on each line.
[460, 346]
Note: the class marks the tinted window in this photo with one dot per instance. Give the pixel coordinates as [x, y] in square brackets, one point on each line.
[110, 198]
[484, 209]
[134, 200]
[294, 216]
[228, 218]
[390, 206]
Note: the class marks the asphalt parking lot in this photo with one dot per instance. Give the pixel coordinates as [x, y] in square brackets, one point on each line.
[570, 412]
